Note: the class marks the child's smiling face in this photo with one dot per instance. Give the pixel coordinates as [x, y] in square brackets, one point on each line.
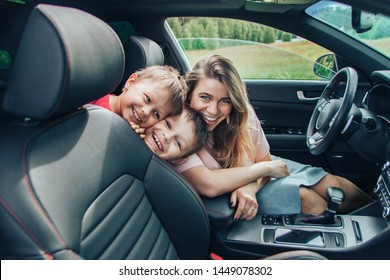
[144, 101]
[171, 138]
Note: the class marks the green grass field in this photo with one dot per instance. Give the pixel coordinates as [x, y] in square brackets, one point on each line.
[285, 60]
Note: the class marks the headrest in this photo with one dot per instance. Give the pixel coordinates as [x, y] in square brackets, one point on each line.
[141, 52]
[66, 58]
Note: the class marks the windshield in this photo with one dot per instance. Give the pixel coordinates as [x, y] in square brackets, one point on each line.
[339, 16]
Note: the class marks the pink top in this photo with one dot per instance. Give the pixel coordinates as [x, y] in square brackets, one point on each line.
[205, 156]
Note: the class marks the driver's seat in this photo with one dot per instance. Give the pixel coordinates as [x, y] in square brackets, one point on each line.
[77, 182]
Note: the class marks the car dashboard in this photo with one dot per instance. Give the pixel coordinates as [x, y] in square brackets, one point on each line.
[377, 101]
[357, 235]
[376, 117]
[382, 189]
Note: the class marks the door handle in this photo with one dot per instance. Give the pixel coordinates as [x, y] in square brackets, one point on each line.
[301, 97]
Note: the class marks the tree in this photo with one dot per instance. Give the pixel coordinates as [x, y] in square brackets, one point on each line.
[186, 43]
[175, 25]
[196, 30]
[237, 30]
[223, 28]
[269, 35]
[286, 37]
[256, 34]
[211, 32]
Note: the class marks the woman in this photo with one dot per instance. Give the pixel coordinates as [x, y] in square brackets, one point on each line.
[237, 141]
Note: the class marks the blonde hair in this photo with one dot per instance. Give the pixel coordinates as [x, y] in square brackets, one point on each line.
[168, 77]
[232, 141]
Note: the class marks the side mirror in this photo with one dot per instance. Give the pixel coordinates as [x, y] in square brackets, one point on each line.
[325, 66]
[362, 21]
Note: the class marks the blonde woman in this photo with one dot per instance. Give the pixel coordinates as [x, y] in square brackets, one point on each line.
[237, 159]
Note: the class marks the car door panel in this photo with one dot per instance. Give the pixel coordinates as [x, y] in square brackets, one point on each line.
[284, 119]
[283, 116]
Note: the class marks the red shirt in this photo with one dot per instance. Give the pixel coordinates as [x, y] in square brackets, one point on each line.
[103, 102]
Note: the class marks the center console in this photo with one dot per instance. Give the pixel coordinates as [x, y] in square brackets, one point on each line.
[382, 189]
[368, 229]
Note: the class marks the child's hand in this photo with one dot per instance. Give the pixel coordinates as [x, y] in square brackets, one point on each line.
[139, 130]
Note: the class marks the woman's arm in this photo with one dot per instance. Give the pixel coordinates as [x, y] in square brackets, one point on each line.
[212, 183]
[245, 197]
[264, 180]
[245, 200]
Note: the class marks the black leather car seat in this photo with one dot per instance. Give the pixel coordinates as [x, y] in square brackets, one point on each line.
[140, 52]
[77, 182]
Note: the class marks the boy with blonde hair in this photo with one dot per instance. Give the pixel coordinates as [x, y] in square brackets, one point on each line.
[148, 96]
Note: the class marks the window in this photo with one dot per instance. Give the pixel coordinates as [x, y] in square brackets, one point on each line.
[339, 16]
[257, 51]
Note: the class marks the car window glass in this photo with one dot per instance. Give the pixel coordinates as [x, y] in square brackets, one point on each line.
[257, 51]
[339, 16]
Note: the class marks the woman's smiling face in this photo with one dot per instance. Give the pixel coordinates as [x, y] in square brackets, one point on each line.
[211, 98]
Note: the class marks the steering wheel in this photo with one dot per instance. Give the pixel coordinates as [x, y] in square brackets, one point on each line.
[330, 114]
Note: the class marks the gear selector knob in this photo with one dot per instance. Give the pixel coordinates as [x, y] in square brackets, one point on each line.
[335, 197]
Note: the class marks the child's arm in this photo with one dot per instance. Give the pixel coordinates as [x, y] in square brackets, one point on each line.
[139, 130]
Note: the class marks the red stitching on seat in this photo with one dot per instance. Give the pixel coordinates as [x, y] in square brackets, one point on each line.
[22, 224]
[34, 198]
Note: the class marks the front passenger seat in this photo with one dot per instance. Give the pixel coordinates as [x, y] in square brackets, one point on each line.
[77, 182]
[140, 52]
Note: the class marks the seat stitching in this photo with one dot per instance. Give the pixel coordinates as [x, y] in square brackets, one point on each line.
[26, 229]
[34, 198]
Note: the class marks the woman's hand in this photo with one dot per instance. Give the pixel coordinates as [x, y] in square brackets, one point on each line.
[139, 130]
[245, 200]
[278, 168]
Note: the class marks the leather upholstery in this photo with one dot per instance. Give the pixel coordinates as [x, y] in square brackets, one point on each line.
[78, 182]
[140, 52]
[58, 56]
[219, 210]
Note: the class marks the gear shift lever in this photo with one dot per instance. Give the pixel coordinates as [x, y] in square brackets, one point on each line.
[335, 198]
